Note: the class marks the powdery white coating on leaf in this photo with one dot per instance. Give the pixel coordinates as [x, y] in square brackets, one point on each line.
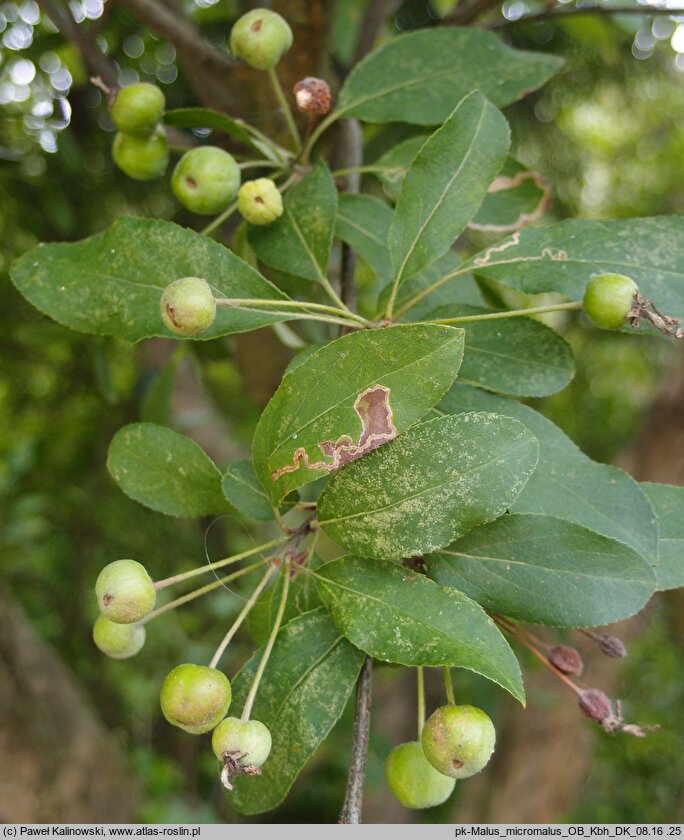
[434, 483]
[668, 503]
[375, 413]
[111, 283]
[446, 184]
[165, 471]
[308, 679]
[299, 242]
[546, 570]
[521, 357]
[416, 363]
[568, 484]
[401, 616]
[564, 257]
[420, 77]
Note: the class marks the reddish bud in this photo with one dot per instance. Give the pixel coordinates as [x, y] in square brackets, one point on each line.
[612, 646]
[595, 704]
[312, 96]
[566, 659]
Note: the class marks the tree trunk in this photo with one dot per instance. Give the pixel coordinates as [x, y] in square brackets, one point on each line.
[59, 763]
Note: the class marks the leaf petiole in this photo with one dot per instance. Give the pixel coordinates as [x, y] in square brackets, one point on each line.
[285, 105]
[511, 313]
[420, 688]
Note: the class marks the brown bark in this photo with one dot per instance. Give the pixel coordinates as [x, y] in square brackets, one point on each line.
[59, 763]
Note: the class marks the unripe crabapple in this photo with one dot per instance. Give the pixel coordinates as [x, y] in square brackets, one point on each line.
[141, 158]
[118, 640]
[260, 38]
[195, 697]
[260, 201]
[413, 780]
[205, 180]
[458, 740]
[188, 306]
[250, 739]
[138, 108]
[125, 591]
[608, 299]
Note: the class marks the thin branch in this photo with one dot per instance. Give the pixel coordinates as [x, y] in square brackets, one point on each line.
[97, 63]
[179, 31]
[563, 12]
[374, 19]
[464, 14]
[353, 799]
[351, 157]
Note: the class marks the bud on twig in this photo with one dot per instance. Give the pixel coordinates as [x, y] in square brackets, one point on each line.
[610, 645]
[566, 659]
[595, 704]
[312, 96]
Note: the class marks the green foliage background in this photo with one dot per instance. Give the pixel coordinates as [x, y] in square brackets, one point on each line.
[606, 133]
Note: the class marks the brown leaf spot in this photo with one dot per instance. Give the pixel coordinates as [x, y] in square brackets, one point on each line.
[377, 427]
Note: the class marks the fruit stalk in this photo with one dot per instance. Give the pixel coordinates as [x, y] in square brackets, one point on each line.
[203, 590]
[244, 612]
[227, 561]
[249, 702]
[285, 105]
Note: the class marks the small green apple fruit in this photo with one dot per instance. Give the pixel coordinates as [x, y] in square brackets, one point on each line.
[413, 780]
[205, 180]
[138, 108]
[125, 591]
[458, 740]
[195, 697]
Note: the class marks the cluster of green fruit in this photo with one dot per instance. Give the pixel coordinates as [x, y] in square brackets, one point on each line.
[206, 179]
[456, 742]
[195, 698]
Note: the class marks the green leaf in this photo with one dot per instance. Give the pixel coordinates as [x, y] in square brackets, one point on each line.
[400, 616]
[567, 483]
[546, 571]
[462, 290]
[363, 222]
[165, 471]
[518, 356]
[244, 491]
[361, 391]
[420, 77]
[668, 503]
[299, 242]
[111, 283]
[517, 197]
[431, 485]
[446, 184]
[393, 165]
[308, 679]
[563, 258]
[207, 118]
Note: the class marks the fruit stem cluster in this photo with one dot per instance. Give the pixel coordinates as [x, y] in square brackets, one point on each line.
[202, 590]
[249, 702]
[227, 561]
[244, 612]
